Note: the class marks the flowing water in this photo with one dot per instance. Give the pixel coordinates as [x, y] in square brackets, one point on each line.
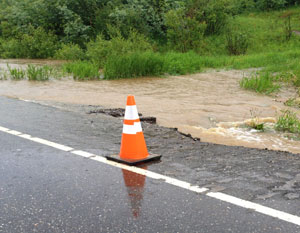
[209, 105]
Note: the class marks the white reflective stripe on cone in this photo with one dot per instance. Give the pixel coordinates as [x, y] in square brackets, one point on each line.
[132, 129]
[131, 113]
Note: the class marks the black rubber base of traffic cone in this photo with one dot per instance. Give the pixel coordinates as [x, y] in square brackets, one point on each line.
[130, 162]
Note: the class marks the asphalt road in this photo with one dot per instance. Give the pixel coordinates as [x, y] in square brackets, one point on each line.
[43, 189]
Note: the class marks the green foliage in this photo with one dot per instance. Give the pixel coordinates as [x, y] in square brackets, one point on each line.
[270, 4]
[34, 44]
[241, 6]
[146, 16]
[133, 65]
[16, 73]
[38, 73]
[184, 63]
[63, 18]
[70, 52]
[256, 124]
[37, 43]
[214, 13]
[99, 50]
[262, 83]
[184, 33]
[236, 42]
[288, 122]
[82, 70]
[10, 48]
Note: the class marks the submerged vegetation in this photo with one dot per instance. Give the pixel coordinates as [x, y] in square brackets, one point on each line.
[82, 70]
[261, 83]
[31, 72]
[288, 122]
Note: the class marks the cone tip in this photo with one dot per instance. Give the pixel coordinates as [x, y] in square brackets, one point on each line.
[130, 100]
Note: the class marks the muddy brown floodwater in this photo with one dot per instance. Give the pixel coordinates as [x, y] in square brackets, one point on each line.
[209, 105]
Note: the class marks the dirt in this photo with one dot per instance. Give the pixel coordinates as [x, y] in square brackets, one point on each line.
[120, 112]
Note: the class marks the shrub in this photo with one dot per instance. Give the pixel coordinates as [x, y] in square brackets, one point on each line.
[236, 42]
[183, 33]
[82, 70]
[241, 6]
[134, 65]
[10, 48]
[262, 83]
[36, 73]
[37, 43]
[215, 13]
[70, 52]
[270, 4]
[100, 49]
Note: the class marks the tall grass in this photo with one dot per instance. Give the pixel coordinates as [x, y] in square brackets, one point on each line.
[134, 65]
[288, 122]
[38, 73]
[261, 83]
[82, 70]
[186, 63]
[16, 73]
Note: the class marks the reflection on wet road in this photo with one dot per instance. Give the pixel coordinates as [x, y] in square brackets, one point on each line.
[135, 187]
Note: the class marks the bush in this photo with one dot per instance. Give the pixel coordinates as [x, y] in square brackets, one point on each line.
[70, 52]
[10, 48]
[215, 13]
[35, 44]
[241, 6]
[99, 50]
[82, 70]
[236, 42]
[184, 33]
[38, 44]
[134, 65]
[270, 4]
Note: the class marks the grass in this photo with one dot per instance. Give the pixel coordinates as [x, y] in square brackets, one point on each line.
[261, 83]
[268, 49]
[126, 66]
[293, 102]
[38, 73]
[16, 73]
[82, 70]
[134, 65]
[288, 122]
[3, 75]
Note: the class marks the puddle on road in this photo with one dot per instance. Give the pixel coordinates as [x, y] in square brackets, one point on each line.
[207, 105]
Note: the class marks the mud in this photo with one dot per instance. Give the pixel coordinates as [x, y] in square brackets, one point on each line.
[120, 112]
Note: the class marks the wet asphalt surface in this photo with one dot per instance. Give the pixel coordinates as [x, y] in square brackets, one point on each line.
[46, 190]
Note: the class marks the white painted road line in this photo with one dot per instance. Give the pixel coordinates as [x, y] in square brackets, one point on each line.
[182, 184]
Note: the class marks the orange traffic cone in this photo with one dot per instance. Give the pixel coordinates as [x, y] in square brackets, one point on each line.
[133, 146]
